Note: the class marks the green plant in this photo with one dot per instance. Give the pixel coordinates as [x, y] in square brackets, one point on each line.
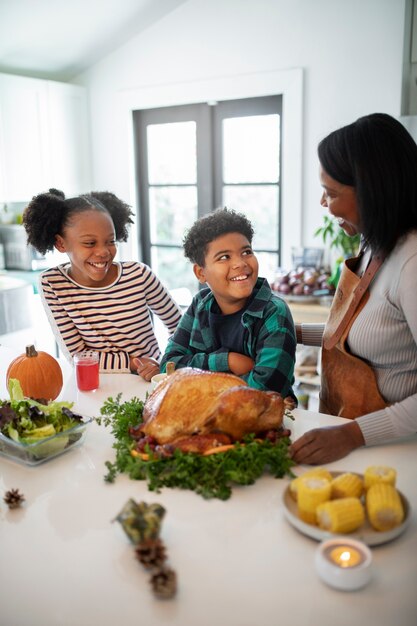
[348, 246]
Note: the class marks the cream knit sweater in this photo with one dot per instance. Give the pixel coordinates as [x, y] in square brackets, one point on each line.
[385, 335]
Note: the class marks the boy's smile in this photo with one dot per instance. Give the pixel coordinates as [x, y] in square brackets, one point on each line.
[230, 270]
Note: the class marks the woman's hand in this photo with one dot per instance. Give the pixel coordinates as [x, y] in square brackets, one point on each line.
[240, 364]
[145, 366]
[323, 445]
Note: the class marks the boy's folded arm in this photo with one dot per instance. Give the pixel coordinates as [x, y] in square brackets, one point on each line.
[240, 364]
[274, 359]
[179, 348]
[183, 357]
[269, 377]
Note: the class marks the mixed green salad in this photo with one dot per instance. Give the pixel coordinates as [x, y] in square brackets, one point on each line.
[28, 421]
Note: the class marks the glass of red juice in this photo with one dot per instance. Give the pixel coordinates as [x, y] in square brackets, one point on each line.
[86, 370]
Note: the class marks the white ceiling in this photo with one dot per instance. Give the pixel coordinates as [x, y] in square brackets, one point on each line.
[58, 39]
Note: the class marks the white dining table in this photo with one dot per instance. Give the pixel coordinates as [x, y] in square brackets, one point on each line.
[64, 561]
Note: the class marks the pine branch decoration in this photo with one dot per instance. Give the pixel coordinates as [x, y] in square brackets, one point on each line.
[142, 524]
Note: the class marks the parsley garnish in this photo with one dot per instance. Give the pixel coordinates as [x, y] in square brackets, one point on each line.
[210, 476]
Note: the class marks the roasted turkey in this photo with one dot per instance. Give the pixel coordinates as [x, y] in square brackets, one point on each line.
[195, 409]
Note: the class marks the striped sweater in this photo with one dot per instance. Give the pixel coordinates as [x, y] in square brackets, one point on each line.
[115, 320]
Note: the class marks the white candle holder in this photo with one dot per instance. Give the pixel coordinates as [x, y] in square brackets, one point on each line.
[344, 563]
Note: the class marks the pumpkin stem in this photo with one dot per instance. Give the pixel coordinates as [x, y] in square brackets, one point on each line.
[31, 350]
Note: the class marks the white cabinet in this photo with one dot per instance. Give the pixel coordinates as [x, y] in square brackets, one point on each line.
[44, 138]
[68, 139]
[23, 117]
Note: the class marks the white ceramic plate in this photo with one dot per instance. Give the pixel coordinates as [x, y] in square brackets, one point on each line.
[366, 533]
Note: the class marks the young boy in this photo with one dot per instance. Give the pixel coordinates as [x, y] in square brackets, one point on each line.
[236, 324]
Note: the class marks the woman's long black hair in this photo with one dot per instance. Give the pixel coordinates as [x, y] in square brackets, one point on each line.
[378, 157]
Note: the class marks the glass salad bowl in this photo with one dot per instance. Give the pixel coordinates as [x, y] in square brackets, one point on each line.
[33, 431]
[46, 448]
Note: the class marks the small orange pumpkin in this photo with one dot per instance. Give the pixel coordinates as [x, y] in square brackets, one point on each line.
[39, 374]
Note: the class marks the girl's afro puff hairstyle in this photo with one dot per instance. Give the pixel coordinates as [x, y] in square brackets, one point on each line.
[49, 213]
[209, 227]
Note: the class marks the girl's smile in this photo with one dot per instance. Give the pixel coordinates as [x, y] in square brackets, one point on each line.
[89, 241]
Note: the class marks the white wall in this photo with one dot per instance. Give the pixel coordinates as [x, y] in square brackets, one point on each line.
[350, 52]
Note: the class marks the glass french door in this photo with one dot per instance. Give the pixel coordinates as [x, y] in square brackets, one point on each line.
[192, 159]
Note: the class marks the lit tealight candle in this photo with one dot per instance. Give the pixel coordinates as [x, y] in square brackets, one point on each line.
[344, 563]
[346, 556]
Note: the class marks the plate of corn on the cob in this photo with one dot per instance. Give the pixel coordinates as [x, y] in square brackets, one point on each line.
[368, 507]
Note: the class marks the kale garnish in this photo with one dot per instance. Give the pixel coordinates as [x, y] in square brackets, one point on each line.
[210, 476]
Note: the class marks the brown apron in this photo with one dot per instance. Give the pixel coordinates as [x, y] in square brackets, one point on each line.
[348, 384]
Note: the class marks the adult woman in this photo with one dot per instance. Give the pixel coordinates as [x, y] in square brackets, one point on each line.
[368, 171]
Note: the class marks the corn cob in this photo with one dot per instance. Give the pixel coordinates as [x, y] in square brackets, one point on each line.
[384, 507]
[318, 472]
[343, 515]
[347, 486]
[379, 474]
[312, 491]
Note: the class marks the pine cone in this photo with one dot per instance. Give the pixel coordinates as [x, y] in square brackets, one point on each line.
[13, 498]
[164, 582]
[151, 553]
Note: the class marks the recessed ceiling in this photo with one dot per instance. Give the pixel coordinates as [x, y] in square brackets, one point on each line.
[58, 39]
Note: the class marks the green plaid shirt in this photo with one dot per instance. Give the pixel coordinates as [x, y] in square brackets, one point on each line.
[269, 341]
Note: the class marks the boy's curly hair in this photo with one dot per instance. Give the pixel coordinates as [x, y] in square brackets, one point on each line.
[209, 227]
[49, 213]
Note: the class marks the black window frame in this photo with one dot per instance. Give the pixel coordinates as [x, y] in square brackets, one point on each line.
[209, 119]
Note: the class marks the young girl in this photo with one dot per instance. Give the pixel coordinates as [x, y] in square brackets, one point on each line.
[93, 302]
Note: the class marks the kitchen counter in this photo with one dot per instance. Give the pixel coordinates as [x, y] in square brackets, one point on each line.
[14, 304]
[238, 562]
[29, 277]
[8, 282]
[305, 313]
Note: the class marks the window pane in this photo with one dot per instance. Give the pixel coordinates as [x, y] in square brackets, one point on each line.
[173, 269]
[268, 263]
[172, 153]
[251, 149]
[260, 205]
[171, 210]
